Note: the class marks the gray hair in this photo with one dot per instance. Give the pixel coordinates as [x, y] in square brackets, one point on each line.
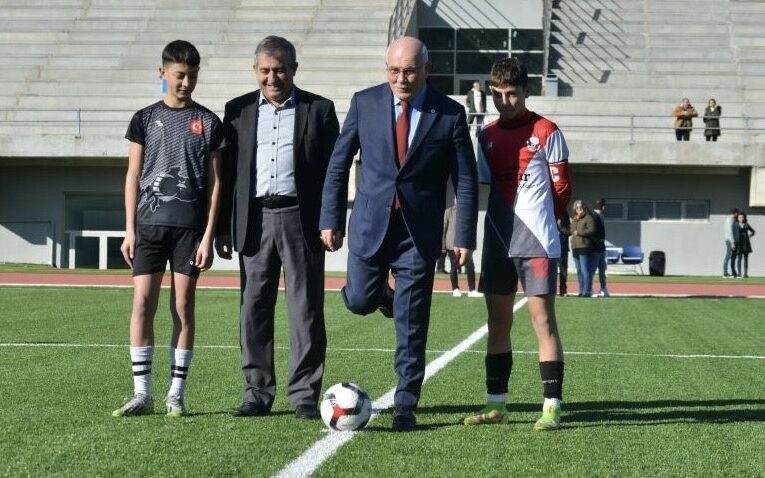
[579, 204]
[273, 44]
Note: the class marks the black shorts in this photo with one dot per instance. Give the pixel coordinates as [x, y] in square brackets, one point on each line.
[155, 245]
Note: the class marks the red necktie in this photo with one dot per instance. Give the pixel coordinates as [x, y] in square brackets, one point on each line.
[402, 134]
[402, 141]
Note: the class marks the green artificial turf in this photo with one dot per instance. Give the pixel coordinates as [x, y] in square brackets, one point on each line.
[640, 399]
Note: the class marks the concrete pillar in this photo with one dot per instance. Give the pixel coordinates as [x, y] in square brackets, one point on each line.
[757, 188]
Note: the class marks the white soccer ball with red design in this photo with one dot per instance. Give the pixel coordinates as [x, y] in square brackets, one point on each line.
[346, 407]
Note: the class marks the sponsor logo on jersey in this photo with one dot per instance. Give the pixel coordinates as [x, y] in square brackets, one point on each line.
[158, 123]
[196, 126]
[533, 145]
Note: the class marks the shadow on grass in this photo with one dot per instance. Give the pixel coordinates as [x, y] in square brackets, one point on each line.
[229, 413]
[650, 412]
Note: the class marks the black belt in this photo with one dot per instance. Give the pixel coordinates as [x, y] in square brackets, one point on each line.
[276, 201]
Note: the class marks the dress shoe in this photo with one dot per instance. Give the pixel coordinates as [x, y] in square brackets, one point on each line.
[386, 307]
[404, 419]
[307, 412]
[251, 409]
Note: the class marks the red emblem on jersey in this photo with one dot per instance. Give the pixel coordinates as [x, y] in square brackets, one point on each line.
[196, 126]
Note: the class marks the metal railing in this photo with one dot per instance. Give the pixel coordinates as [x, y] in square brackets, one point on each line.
[630, 127]
[634, 127]
[399, 20]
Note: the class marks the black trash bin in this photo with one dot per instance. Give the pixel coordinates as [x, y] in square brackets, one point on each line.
[657, 263]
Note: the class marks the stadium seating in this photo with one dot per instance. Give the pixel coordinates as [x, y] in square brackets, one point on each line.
[640, 57]
[76, 70]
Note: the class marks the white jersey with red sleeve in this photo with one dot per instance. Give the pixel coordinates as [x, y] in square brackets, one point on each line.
[526, 164]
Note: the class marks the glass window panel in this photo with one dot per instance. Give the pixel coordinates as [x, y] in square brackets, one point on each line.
[443, 62]
[437, 38]
[524, 39]
[477, 63]
[533, 61]
[669, 210]
[696, 210]
[482, 39]
[640, 210]
[444, 84]
[614, 210]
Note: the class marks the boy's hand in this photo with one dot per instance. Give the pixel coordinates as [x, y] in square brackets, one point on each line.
[223, 246]
[204, 256]
[128, 248]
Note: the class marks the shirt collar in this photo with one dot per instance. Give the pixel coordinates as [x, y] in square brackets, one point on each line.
[290, 101]
[418, 101]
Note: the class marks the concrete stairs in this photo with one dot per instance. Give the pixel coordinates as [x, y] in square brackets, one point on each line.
[101, 57]
[619, 59]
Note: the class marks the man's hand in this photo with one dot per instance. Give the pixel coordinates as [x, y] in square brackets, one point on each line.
[223, 246]
[462, 255]
[332, 239]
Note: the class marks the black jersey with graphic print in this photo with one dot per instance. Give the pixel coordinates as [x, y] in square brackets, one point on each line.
[176, 162]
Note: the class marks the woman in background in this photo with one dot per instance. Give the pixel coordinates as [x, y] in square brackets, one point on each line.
[712, 120]
[583, 246]
[743, 244]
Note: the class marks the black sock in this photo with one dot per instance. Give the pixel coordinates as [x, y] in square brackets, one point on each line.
[552, 379]
[498, 368]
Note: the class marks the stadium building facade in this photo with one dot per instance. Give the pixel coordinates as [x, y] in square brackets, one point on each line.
[609, 74]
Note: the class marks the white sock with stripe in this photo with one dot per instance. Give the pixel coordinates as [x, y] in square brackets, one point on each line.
[180, 360]
[141, 358]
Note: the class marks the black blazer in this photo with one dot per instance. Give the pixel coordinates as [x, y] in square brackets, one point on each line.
[316, 129]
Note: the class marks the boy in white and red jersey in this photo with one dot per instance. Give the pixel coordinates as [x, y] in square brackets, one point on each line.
[524, 158]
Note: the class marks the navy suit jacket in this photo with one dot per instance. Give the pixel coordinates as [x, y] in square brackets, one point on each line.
[441, 148]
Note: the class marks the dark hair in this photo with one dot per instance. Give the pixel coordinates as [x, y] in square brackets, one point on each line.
[273, 44]
[734, 210]
[509, 72]
[180, 51]
[599, 203]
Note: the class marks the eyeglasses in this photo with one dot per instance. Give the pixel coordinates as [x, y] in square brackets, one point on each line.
[408, 72]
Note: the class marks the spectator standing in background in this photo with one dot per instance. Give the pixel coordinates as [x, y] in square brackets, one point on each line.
[583, 246]
[476, 105]
[729, 233]
[712, 120]
[450, 230]
[600, 244]
[743, 244]
[564, 229]
[684, 114]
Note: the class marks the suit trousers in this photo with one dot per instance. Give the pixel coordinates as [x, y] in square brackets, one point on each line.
[364, 292]
[281, 244]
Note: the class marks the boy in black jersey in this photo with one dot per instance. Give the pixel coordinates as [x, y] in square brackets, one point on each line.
[172, 191]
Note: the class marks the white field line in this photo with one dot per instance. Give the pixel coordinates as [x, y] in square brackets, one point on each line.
[328, 289]
[323, 449]
[380, 350]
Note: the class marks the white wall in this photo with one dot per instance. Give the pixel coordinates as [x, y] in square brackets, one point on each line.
[480, 13]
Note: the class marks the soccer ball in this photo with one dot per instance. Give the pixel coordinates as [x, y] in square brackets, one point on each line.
[346, 407]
